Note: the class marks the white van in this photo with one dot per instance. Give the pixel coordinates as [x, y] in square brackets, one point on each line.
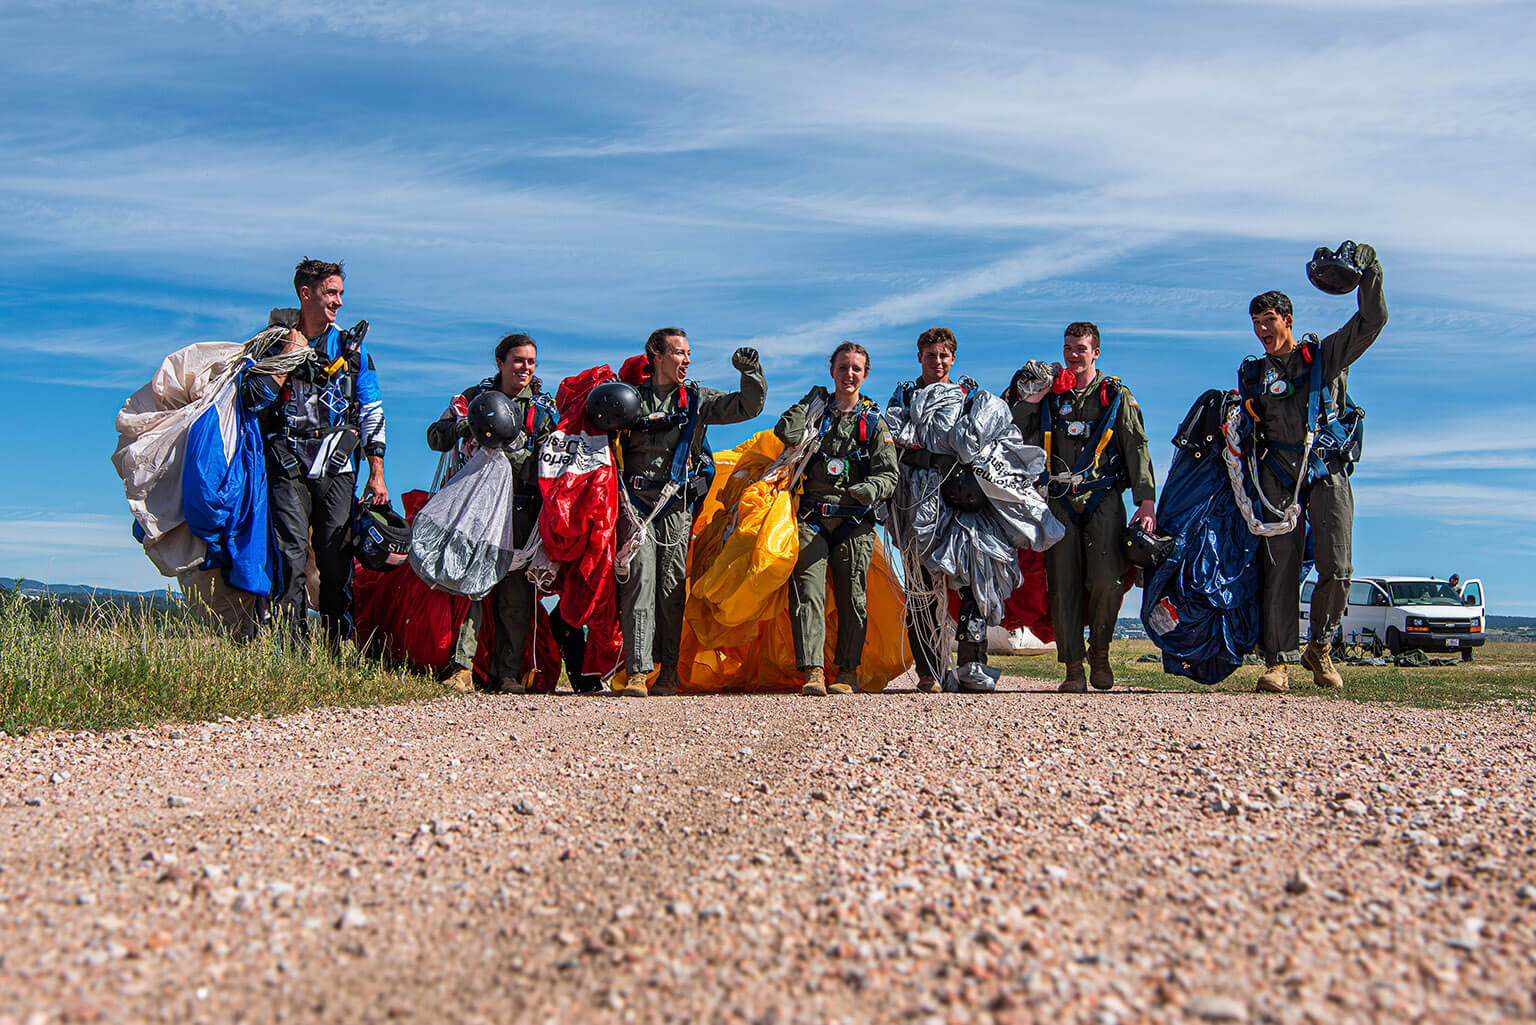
[1398, 613]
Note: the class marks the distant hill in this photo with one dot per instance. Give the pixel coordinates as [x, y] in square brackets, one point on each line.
[38, 588]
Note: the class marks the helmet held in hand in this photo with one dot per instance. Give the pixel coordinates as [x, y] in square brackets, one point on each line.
[1334, 270]
[613, 406]
[493, 419]
[381, 539]
[1146, 549]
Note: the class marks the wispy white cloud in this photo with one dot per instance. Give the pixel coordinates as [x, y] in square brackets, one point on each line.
[1450, 502]
[937, 298]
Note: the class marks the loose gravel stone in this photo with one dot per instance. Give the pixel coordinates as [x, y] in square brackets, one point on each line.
[1217, 1009]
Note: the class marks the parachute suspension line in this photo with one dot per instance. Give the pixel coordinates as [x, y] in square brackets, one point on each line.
[1290, 516]
[927, 605]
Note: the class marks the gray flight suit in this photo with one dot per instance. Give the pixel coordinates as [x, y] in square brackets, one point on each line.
[848, 475]
[1085, 571]
[1328, 504]
[514, 595]
[651, 599]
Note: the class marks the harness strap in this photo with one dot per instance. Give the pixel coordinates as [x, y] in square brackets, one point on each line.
[854, 517]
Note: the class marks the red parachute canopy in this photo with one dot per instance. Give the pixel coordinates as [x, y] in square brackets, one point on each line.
[412, 623]
[579, 520]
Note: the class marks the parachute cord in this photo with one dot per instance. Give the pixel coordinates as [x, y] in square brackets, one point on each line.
[927, 605]
[1290, 516]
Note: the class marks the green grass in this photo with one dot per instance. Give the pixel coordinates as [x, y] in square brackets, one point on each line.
[1501, 671]
[107, 666]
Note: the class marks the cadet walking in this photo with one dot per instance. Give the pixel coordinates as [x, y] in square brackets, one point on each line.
[926, 605]
[315, 422]
[1298, 392]
[853, 472]
[1096, 448]
[668, 444]
[516, 359]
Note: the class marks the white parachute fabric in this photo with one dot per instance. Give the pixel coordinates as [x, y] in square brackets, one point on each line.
[976, 549]
[152, 430]
[462, 539]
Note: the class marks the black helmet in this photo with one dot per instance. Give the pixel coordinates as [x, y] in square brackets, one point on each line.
[1144, 549]
[613, 406]
[961, 492]
[493, 419]
[1334, 271]
[380, 537]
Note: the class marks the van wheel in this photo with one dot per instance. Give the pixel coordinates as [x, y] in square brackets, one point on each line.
[1394, 641]
[1466, 654]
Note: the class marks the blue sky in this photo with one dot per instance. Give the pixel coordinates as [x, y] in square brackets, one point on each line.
[783, 175]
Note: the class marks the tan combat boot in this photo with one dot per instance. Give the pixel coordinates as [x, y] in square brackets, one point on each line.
[927, 684]
[666, 683]
[462, 680]
[1318, 659]
[1076, 682]
[1272, 680]
[815, 683]
[847, 680]
[508, 685]
[635, 687]
[1099, 674]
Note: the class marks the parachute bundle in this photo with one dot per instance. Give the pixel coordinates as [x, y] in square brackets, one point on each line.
[976, 549]
[462, 540]
[578, 521]
[411, 622]
[194, 474]
[737, 633]
[1200, 605]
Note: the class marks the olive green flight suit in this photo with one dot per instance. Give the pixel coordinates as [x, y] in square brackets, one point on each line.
[1085, 570]
[1328, 504]
[838, 476]
[651, 599]
[514, 595]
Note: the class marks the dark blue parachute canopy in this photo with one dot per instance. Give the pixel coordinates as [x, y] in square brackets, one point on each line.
[224, 493]
[1200, 607]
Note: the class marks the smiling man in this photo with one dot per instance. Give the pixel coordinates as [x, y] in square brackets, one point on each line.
[1093, 431]
[1278, 387]
[936, 350]
[667, 444]
[314, 422]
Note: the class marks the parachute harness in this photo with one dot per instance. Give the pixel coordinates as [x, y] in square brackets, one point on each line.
[1232, 456]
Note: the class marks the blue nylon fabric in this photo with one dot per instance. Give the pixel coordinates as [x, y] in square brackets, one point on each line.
[225, 501]
[1211, 578]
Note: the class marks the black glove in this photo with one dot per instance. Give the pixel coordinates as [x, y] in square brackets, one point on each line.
[744, 359]
[1365, 256]
[461, 428]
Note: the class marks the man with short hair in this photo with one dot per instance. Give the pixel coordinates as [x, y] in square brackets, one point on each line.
[315, 420]
[667, 444]
[936, 349]
[1278, 386]
[517, 357]
[1092, 431]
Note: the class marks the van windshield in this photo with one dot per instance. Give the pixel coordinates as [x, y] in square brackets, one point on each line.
[1423, 592]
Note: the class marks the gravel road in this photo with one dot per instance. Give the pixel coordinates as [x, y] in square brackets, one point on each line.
[1024, 856]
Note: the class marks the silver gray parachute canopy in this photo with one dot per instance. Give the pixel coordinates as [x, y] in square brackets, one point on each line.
[973, 547]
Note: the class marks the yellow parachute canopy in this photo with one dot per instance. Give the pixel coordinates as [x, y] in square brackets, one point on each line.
[737, 634]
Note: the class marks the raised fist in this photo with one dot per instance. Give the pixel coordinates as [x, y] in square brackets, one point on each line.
[744, 358]
[1365, 255]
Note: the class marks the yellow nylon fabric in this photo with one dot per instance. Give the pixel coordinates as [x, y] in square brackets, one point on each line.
[737, 634]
